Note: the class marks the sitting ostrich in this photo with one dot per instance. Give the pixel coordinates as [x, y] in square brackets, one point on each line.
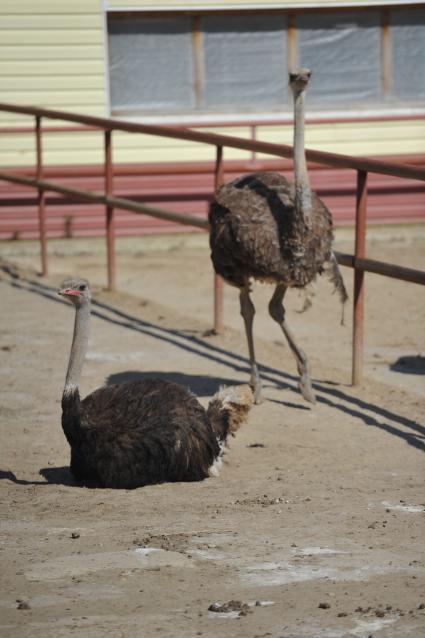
[264, 227]
[141, 432]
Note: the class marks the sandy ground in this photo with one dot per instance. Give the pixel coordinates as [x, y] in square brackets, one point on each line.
[315, 526]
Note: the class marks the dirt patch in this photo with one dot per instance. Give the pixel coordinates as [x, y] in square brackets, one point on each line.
[315, 526]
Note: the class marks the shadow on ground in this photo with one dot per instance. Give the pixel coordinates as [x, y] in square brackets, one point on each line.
[201, 385]
[335, 398]
[409, 365]
[52, 475]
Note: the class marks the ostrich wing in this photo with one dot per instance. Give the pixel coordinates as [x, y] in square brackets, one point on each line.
[251, 220]
[144, 432]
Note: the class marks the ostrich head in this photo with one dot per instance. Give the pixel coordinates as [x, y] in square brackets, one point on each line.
[299, 79]
[76, 290]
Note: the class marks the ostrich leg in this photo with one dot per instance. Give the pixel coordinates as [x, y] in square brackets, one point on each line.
[248, 312]
[277, 312]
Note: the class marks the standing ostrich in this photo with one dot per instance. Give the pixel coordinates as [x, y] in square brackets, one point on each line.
[141, 432]
[264, 227]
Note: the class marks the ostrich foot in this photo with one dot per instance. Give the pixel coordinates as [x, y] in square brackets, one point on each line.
[306, 388]
[257, 393]
[256, 386]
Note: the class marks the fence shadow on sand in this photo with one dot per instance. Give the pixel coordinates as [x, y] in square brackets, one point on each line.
[327, 394]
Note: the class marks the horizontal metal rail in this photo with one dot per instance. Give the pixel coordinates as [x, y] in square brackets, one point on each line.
[214, 139]
[381, 268]
[107, 200]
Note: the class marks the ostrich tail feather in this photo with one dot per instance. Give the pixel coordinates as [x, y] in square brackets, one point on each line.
[336, 279]
[228, 410]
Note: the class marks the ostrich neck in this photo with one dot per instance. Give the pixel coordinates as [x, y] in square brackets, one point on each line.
[78, 349]
[302, 185]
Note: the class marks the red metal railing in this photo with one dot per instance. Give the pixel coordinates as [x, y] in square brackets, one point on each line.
[362, 165]
[359, 250]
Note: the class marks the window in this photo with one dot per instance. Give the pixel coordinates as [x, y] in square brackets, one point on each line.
[407, 77]
[238, 63]
[244, 62]
[343, 50]
[150, 62]
[156, 64]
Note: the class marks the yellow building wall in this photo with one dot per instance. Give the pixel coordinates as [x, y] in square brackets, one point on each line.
[53, 55]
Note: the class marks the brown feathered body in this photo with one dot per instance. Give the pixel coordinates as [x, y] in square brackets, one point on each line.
[150, 431]
[257, 232]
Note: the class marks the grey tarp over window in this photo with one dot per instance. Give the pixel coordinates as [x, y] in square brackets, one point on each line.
[244, 61]
[239, 63]
[408, 54]
[150, 63]
[343, 50]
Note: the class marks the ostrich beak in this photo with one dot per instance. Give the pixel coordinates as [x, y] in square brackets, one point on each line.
[69, 292]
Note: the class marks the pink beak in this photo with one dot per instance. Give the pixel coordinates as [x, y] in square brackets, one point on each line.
[69, 291]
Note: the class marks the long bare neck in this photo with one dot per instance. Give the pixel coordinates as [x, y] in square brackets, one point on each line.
[80, 341]
[303, 203]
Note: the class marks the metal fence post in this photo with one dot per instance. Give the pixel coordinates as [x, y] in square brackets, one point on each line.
[41, 198]
[110, 230]
[218, 282]
[359, 252]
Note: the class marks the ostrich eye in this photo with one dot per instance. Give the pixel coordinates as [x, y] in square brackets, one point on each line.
[82, 287]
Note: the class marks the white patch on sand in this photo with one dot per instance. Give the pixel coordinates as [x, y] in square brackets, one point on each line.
[145, 551]
[403, 507]
[308, 631]
[207, 554]
[316, 551]
[366, 628]
[285, 572]
[223, 614]
[114, 357]
[362, 629]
